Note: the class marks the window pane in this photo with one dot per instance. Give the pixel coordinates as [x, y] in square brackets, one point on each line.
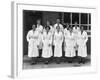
[84, 18]
[66, 17]
[75, 18]
[89, 27]
[88, 33]
[85, 27]
[89, 18]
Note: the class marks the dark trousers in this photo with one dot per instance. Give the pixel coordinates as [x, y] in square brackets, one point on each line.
[57, 59]
[46, 60]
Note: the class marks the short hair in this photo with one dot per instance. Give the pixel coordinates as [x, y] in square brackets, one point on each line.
[47, 27]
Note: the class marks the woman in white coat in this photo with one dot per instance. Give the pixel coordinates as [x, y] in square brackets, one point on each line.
[69, 45]
[58, 40]
[81, 42]
[47, 44]
[33, 44]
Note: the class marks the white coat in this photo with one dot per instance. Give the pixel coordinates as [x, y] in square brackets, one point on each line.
[40, 30]
[58, 40]
[33, 42]
[47, 44]
[75, 31]
[69, 43]
[81, 42]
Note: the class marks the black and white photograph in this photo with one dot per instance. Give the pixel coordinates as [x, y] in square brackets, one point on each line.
[53, 39]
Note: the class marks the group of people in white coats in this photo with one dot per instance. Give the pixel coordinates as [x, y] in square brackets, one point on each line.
[51, 39]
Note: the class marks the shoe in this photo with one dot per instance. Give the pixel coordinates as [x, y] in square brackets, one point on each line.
[46, 62]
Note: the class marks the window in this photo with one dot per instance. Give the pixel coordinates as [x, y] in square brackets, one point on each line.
[81, 19]
[89, 18]
[75, 18]
[84, 18]
[66, 17]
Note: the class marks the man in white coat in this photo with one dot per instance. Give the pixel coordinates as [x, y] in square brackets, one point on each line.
[58, 24]
[58, 40]
[76, 29]
[81, 42]
[33, 44]
[69, 45]
[40, 30]
[47, 44]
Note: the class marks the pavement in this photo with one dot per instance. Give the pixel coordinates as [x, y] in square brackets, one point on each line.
[52, 64]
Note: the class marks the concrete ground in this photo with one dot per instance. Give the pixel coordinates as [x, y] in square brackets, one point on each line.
[52, 64]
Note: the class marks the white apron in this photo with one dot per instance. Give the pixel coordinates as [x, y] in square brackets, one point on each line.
[81, 41]
[69, 44]
[47, 44]
[58, 39]
[33, 42]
